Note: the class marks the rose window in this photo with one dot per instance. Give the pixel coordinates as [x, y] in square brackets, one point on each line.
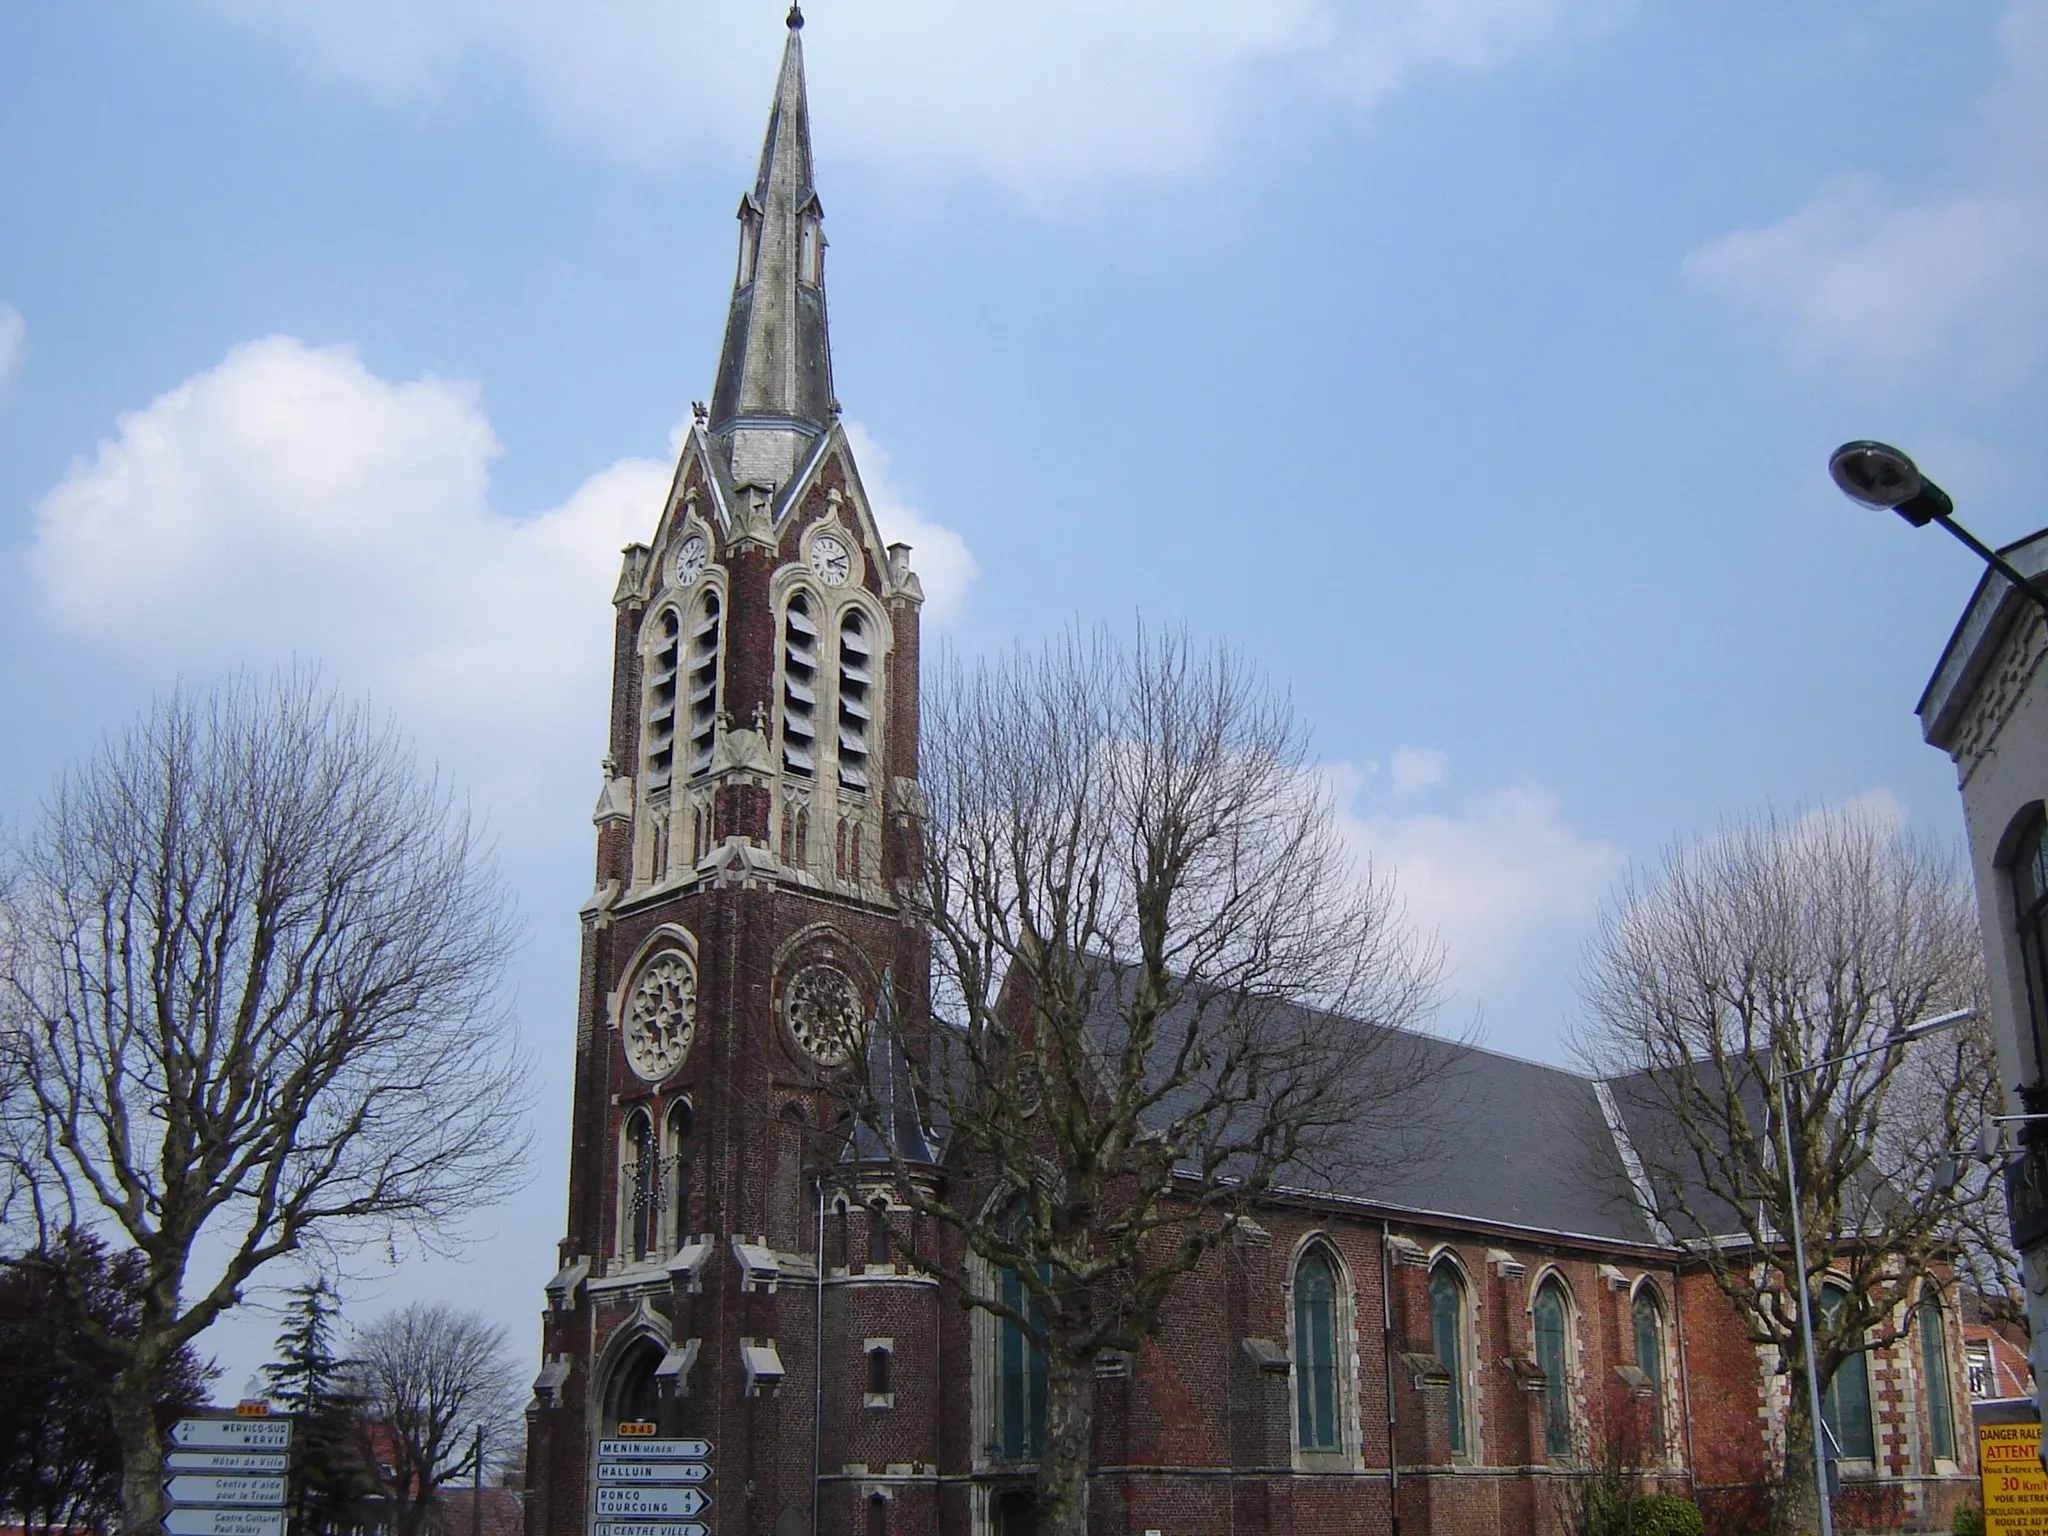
[661, 1017]
[824, 1014]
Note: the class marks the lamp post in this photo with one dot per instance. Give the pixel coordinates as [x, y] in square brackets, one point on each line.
[1880, 476]
[1898, 1037]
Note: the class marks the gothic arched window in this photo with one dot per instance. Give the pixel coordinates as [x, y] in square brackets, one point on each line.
[703, 683]
[1317, 1399]
[681, 1150]
[878, 1371]
[2029, 872]
[878, 1233]
[1648, 1316]
[856, 692]
[750, 241]
[1941, 1412]
[811, 245]
[660, 707]
[1447, 1342]
[1552, 1314]
[639, 1187]
[1845, 1406]
[799, 688]
[1019, 1363]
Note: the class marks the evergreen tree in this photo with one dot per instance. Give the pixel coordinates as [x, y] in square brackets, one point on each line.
[330, 1490]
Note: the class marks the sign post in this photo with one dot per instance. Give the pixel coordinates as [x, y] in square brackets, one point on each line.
[650, 1487]
[226, 1476]
[2015, 1487]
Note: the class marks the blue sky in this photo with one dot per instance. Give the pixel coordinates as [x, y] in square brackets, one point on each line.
[1472, 364]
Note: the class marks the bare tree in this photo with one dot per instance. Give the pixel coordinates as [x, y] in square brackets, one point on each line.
[443, 1402]
[1170, 990]
[250, 973]
[1941, 1080]
[1764, 951]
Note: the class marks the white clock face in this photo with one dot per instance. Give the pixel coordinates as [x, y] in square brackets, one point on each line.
[691, 557]
[831, 560]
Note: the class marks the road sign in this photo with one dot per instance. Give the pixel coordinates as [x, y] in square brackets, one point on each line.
[240, 1492]
[2015, 1490]
[652, 1472]
[233, 1434]
[652, 1528]
[654, 1450]
[651, 1503]
[224, 1522]
[227, 1461]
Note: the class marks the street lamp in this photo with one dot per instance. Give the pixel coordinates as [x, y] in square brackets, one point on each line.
[1914, 1031]
[1879, 475]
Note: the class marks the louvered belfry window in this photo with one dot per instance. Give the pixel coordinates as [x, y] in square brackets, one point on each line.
[799, 688]
[856, 693]
[661, 703]
[703, 683]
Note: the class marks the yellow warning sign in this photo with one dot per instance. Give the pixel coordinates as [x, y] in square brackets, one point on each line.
[2015, 1487]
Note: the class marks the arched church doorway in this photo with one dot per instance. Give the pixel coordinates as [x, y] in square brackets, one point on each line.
[633, 1394]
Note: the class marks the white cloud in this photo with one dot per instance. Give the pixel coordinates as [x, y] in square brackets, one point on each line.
[1034, 94]
[1502, 881]
[1416, 768]
[290, 502]
[941, 558]
[1865, 279]
[13, 342]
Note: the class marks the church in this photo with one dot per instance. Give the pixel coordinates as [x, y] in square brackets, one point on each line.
[1421, 1357]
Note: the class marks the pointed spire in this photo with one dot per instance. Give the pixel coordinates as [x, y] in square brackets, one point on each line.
[774, 391]
[892, 1097]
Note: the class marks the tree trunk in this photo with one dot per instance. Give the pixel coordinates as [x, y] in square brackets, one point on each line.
[142, 1456]
[1069, 1443]
[1799, 1510]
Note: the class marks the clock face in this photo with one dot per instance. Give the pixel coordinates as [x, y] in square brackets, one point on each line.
[831, 560]
[661, 1017]
[824, 1015]
[691, 556]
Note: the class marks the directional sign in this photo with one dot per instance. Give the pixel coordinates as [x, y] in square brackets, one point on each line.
[652, 1503]
[233, 1434]
[652, 1472]
[227, 1461]
[242, 1492]
[652, 1528]
[654, 1450]
[224, 1522]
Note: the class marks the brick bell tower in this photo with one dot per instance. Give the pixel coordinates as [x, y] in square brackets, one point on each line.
[759, 807]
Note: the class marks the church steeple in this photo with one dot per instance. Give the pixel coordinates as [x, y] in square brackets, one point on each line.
[774, 392]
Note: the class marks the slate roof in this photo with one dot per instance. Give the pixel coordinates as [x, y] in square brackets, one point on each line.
[895, 1091]
[1491, 1138]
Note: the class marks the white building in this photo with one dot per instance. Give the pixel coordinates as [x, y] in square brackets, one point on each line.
[1987, 707]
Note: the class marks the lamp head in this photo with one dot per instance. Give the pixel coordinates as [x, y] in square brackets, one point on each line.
[1875, 474]
[1920, 1027]
[1879, 475]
